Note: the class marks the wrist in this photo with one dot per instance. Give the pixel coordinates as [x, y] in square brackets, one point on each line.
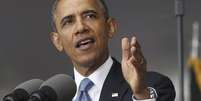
[152, 94]
[142, 94]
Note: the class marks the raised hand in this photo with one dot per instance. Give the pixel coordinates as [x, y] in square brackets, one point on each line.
[134, 67]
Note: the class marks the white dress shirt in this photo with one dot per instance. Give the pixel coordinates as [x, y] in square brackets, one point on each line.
[97, 77]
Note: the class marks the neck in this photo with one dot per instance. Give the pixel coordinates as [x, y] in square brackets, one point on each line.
[87, 70]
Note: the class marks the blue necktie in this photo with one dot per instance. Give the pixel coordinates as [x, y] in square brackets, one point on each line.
[84, 87]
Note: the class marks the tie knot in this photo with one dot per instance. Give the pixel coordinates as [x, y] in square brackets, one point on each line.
[86, 84]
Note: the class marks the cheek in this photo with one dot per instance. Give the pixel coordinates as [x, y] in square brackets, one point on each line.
[67, 37]
[67, 30]
[102, 41]
[101, 34]
[67, 43]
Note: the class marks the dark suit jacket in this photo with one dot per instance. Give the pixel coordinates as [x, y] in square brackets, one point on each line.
[115, 83]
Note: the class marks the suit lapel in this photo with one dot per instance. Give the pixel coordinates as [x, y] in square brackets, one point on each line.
[115, 88]
[115, 85]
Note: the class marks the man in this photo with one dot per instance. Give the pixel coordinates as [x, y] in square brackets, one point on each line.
[82, 30]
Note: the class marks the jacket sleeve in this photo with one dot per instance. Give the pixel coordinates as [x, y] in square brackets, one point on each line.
[163, 86]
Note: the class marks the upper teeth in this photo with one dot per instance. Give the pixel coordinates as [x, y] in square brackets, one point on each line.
[85, 41]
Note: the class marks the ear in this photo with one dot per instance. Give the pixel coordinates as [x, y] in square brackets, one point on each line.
[112, 25]
[56, 40]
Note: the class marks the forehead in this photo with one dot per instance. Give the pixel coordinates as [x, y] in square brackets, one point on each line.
[68, 7]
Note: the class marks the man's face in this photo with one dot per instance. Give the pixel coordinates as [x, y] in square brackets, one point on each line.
[83, 31]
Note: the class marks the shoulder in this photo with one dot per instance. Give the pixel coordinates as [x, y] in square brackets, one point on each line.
[156, 79]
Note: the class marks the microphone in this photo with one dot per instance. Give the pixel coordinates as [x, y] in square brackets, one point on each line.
[60, 87]
[23, 91]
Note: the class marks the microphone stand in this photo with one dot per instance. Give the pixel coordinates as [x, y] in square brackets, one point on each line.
[179, 12]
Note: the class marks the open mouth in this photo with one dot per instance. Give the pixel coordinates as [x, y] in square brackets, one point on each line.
[85, 43]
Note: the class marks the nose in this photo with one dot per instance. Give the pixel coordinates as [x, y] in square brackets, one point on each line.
[81, 26]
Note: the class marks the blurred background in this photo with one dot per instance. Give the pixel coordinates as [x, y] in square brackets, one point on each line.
[26, 51]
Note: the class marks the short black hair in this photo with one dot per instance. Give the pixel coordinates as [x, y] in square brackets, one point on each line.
[54, 7]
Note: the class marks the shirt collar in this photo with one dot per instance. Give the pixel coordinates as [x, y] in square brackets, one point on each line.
[98, 76]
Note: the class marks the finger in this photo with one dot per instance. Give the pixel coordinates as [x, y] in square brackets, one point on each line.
[136, 56]
[136, 51]
[125, 48]
[132, 63]
[134, 42]
[133, 53]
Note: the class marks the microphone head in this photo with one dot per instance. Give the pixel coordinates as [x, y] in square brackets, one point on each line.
[23, 91]
[30, 85]
[63, 86]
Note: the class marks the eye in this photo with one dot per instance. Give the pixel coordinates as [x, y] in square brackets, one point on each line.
[67, 21]
[91, 16]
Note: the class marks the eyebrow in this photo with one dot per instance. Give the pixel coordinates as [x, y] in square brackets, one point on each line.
[89, 11]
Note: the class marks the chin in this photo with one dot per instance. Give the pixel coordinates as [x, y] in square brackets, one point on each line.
[87, 61]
